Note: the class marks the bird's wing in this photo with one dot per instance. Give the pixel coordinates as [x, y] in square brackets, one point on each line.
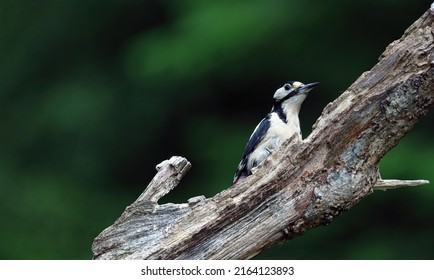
[256, 137]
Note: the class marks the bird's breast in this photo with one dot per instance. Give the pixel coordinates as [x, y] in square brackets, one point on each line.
[284, 130]
[278, 133]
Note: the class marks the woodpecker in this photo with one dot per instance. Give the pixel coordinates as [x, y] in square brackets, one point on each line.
[279, 125]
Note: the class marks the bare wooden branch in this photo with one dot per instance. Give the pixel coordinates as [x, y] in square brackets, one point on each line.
[384, 185]
[300, 186]
[170, 172]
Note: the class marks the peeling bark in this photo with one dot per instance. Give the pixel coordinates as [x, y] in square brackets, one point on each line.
[300, 186]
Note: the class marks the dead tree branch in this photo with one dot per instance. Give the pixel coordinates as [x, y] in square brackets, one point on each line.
[300, 186]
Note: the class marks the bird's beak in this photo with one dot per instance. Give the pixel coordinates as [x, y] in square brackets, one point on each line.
[308, 87]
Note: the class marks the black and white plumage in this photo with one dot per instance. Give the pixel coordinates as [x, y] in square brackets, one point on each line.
[279, 125]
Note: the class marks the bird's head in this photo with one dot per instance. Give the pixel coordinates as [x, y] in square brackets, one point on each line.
[294, 91]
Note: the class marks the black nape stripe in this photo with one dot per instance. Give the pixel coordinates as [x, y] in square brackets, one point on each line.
[277, 108]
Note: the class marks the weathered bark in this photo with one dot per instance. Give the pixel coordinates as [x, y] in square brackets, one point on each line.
[300, 186]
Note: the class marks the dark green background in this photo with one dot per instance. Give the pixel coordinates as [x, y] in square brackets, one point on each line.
[94, 94]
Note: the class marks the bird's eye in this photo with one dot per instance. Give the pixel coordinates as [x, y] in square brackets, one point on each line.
[287, 87]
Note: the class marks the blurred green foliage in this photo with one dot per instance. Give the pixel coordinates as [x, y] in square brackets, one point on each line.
[93, 94]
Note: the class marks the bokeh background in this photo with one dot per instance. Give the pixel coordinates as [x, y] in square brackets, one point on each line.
[94, 94]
